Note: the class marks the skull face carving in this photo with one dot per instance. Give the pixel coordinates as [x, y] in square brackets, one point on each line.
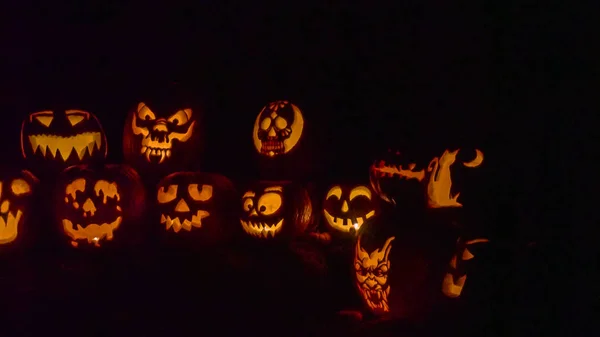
[455, 278]
[14, 193]
[372, 275]
[277, 128]
[160, 135]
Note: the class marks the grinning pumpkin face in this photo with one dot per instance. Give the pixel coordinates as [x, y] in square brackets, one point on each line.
[278, 128]
[15, 190]
[455, 278]
[94, 203]
[156, 136]
[347, 208]
[272, 209]
[372, 268]
[67, 137]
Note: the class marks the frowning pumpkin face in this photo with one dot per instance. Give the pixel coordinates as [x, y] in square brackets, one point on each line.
[63, 138]
[94, 203]
[15, 192]
[347, 208]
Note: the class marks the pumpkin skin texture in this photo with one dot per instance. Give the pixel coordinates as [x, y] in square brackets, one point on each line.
[53, 140]
[274, 210]
[161, 132]
[16, 197]
[97, 206]
[194, 208]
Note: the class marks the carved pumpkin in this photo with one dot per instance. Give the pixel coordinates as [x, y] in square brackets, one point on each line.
[278, 128]
[397, 176]
[161, 132]
[275, 209]
[196, 205]
[456, 276]
[346, 208]
[95, 205]
[58, 139]
[16, 188]
[398, 269]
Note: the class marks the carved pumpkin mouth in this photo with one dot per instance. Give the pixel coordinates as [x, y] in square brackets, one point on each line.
[187, 224]
[9, 226]
[155, 150]
[344, 224]
[377, 298]
[261, 229]
[87, 142]
[452, 288]
[383, 169]
[93, 233]
[272, 145]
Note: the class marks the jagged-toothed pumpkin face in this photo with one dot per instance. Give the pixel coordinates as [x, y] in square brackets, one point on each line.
[263, 213]
[278, 128]
[95, 210]
[184, 204]
[372, 267]
[69, 137]
[156, 136]
[275, 210]
[347, 208]
[15, 191]
[455, 278]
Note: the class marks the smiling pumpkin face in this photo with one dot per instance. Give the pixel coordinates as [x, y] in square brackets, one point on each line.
[275, 209]
[63, 138]
[346, 208]
[16, 189]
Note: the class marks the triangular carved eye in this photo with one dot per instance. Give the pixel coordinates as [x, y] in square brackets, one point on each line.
[467, 255]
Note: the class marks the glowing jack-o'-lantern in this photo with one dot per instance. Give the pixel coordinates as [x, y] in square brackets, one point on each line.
[195, 203]
[372, 269]
[94, 202]
[275, 209]
[407, 180]
[63, 138]
[455, 278]
[347, 208]
[15, 192]
[278, 128]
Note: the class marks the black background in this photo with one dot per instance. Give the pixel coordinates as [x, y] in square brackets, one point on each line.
[366, 76]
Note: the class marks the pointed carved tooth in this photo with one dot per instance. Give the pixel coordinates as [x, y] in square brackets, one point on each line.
[64, 147]
[153, 152]
[349, 222]
[148, 155]
[187, 225]
[34, 143]
[98, 140]
[162, 156]
[90, 147]
[168, 152]
[360, 221]
[143, 150]
[43, 149]
[162, 218]
[169, 222]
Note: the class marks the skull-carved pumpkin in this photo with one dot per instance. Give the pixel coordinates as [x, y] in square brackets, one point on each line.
[94, 203]
[455, 278]
[58, 139]
[346, 207]
[275, 210]
[196, 204]
[16, 188]
[278, 128]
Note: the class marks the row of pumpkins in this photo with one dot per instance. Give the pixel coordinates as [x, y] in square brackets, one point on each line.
[96, 202]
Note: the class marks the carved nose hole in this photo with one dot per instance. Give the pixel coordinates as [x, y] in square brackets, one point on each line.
[345, 207]
[182, 206]
[88, 206]
[272, 132]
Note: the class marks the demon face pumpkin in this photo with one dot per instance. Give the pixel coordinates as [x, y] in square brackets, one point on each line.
[63, 138]
[278, 128]
[347, 208]
[275, 209]
[372, 268]
[455, 278]
[95, 202]
[15, 192]
[158, 136]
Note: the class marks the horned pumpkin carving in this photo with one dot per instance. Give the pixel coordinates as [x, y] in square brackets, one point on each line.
[96, 204]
